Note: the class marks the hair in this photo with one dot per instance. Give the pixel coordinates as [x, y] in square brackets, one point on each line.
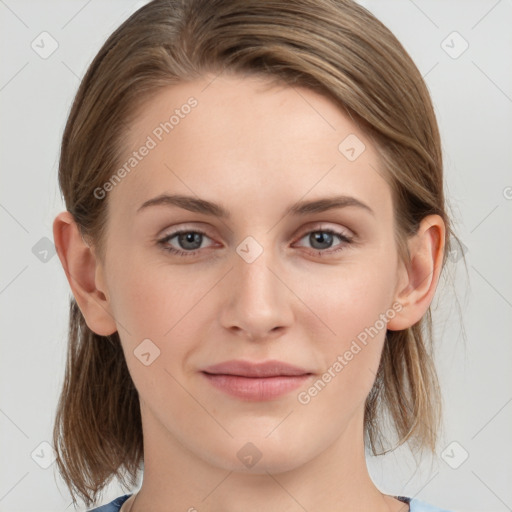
[336, 48]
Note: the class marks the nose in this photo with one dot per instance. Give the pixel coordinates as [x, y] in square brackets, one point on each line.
[258, 302]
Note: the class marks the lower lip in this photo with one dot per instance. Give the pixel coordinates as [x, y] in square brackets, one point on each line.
[256, 388]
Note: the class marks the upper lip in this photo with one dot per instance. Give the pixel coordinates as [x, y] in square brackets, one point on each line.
[242, 368]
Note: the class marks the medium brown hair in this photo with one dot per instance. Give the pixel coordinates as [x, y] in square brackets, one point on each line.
[334, 47]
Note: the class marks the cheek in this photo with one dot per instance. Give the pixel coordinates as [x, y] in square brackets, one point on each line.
[155, 304]
[349, 300]
[163, 304]
[147, 296]
[143, 304]
[354, 306]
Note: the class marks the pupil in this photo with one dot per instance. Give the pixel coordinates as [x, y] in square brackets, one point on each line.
[322, 238]
[192, 238]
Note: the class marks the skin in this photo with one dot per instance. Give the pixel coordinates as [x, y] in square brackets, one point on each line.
[255, 149]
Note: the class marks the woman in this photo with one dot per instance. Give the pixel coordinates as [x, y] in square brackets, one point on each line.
[255, 230]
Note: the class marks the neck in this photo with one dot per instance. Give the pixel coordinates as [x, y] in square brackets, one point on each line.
[335, 478]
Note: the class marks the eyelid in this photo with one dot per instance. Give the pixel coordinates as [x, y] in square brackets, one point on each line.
[324, 226]
[174, 230]
[305, 229]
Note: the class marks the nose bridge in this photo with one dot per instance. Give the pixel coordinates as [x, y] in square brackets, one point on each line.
[258, 301]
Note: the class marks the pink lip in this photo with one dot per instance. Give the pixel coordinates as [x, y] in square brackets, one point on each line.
[256, 381]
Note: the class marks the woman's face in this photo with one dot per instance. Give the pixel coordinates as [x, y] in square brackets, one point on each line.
[260, 283]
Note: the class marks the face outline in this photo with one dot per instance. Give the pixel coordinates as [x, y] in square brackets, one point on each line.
[255, 150]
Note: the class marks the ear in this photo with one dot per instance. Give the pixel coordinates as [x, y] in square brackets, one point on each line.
[418, 280]
[84, 273]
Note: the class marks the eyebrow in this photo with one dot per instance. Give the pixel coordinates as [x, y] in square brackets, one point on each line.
[198, 205]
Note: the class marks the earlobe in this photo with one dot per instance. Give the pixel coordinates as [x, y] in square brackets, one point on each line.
[81, 267]
[426, 250]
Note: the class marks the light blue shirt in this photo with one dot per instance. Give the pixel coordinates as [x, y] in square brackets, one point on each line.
[414, 505]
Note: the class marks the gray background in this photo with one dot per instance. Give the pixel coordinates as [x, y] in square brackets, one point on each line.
[472, 93]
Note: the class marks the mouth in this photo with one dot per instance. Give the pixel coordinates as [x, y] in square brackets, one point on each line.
[256, 381]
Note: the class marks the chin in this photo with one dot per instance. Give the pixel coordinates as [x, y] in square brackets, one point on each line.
[261, 455]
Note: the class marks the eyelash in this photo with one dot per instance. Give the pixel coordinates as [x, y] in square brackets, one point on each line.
[164, 241]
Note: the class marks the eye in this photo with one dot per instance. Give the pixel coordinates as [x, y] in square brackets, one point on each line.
[322, 239]
[189, 240]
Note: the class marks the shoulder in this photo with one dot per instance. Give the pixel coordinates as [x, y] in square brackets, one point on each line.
[420, 506]
[113, 506]
[414, 505]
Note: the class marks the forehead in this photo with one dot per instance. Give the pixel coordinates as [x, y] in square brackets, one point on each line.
[232, 138]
